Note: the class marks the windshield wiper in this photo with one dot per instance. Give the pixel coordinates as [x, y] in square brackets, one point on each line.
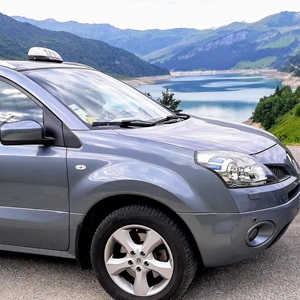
[125, 123]
[142, 123]
[173, 118]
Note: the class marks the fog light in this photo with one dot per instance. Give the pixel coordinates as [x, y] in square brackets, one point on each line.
[260, 234]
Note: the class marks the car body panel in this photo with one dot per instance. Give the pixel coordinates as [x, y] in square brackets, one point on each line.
[34, 202]
[207, 134]
[221, 239]
[117, 165]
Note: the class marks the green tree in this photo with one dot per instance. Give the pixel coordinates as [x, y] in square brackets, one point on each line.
[276, 105]
[297, 111]
[169, 101]
[278, 91]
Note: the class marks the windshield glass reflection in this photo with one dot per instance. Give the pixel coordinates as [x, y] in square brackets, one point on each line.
[96, 97]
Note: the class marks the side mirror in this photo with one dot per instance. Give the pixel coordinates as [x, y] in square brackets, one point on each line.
[23, 133]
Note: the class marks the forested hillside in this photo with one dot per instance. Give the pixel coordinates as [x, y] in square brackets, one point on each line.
[268, 43]
[16, 38]
[279, 113]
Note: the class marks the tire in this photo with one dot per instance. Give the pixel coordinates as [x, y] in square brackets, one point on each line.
[138, 252]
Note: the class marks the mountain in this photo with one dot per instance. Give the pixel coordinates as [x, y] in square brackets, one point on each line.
[16, 38]
[264, 44]
[268, 43]
[138, 42]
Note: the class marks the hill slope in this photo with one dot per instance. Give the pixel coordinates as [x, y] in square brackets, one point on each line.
[279, 113]
[16, 38]
[284, 128]
[138, 42]
[267, 43]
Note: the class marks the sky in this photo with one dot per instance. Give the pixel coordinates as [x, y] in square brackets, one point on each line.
[150, 14]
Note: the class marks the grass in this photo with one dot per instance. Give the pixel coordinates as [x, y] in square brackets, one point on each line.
[280, 43]
[287, 128]
[258, 64]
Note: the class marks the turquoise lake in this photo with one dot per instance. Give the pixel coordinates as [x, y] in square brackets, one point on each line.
[229, 97]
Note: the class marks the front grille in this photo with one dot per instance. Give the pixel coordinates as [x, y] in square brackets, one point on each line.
[280, 172]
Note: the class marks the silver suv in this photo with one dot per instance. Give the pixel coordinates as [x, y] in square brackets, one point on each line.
[94, 170]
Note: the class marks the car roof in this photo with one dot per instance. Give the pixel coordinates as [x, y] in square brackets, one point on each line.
[40, 58]
[23, 65]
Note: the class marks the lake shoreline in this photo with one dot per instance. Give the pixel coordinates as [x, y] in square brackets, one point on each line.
[285, 78]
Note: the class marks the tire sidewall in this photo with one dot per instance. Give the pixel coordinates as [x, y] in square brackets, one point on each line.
[162, 226]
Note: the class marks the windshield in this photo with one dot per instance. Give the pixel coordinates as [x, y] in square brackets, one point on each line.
[95, 97]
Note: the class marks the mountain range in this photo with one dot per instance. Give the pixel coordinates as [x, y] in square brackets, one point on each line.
[273, 42]
[16, 38]
[268, 43]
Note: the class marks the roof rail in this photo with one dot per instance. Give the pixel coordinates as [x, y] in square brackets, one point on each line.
[6, 64]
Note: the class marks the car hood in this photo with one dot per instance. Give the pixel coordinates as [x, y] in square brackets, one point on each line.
[207, 134]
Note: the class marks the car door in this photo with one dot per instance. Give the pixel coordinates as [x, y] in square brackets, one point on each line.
[34, 205]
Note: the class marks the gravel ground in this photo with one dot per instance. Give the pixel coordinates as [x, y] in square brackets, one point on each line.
[272, 275]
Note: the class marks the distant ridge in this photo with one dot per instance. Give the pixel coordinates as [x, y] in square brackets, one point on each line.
[268, 43]
[16, 38]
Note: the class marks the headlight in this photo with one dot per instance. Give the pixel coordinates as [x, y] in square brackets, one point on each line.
[236, 169]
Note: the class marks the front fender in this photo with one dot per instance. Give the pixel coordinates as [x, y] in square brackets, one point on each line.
[109, 164]
[180, 193]
[144, 180]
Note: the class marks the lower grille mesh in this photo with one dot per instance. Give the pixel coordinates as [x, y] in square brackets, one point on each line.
[280, 172]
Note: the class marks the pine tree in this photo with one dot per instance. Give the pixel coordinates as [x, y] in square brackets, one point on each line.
[169, 101]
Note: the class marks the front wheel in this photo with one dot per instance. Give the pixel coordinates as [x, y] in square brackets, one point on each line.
[138, 252]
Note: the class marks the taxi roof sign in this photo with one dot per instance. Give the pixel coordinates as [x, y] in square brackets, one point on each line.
[44, 54]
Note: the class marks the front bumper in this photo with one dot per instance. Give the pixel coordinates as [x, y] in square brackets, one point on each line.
[225, 238]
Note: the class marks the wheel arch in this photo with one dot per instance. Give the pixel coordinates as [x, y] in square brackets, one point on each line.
[103, 208]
